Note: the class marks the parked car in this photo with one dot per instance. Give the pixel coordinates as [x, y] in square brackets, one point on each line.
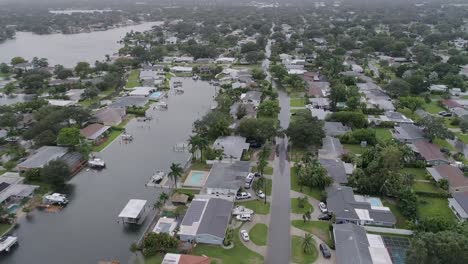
[245, 235]
[247, 185]
[243, 195]
[257, 174]
[325, 217]
[325, 251]
[323, 207]
[244, 217]
[249, 177]
[445, 113]
[260, 194]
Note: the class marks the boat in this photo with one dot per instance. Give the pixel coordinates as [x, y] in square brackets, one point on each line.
[56, 198]
[179, 90]
[195, 77]
[158, 176]
[7, 242]
[238, 210]
[161, 105]
[126, 137]
[96, 163]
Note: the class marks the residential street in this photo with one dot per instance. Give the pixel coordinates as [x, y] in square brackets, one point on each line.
[279, 239]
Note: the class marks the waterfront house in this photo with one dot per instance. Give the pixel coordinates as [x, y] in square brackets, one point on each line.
[129, 101]
[408, 133]
[226, 178]
[110, 116]
[95, 133]
[41, 157]
[132, 212]
[232, 147]
[455, 177]
[12, 189]
[459, 205]
[429, 152]
[142, 91]
[354, 246]
[171, 258]
[360, 210]
[206, 220]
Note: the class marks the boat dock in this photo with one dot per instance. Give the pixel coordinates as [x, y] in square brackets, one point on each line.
[133, 211]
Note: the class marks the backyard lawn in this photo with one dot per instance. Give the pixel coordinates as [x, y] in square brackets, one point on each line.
[444, 144]
[133, 79]
[419, 173]
[319, 228]
[354, 148]
[156, 259]
[298, 255]
[200, 166]
[258, 206]
[433, 107]
[268, 170]
[383, 134]
[4, 228]
[428, 207]
[305, 190]
[401, 220]
[430, 187]
[239, 254]
[297, 102]
[297, 210]
[259, 234]
[463, 137]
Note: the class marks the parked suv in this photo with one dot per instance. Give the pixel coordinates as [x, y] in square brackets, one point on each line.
[243, 195]
[244, 217]
[325, 251]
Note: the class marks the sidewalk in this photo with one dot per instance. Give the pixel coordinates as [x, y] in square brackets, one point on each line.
[257, 219]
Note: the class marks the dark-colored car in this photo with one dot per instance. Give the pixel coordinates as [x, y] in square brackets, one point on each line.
[325, 251]
[325, 217]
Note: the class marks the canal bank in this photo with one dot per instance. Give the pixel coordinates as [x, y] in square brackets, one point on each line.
[87, 230]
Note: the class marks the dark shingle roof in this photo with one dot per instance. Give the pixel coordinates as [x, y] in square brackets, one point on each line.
[352, 246]
[216, 217]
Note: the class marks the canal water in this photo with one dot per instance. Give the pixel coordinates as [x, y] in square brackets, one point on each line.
[87, 230]
[68, 49]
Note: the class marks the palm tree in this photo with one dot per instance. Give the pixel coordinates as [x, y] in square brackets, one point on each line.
[197, 142]
[176, 172]
[163, 197]
[308, 243]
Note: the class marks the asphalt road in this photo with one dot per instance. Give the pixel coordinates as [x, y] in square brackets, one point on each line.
[279, 238]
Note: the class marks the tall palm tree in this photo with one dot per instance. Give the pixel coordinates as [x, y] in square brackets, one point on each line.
[308, 243]
[194, 143]
[175, 173]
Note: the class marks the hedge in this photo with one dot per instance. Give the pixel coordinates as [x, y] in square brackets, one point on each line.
[433, 194]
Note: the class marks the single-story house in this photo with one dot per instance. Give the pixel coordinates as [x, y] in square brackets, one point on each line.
[225, 60]
[75, 94]
[12, 188]
[438, 88]
[251, 97]
[336, 169]
[110, 116]
[41, 157]
[320, 102]
[232, 147]
[63, 103]
[320, 114]
[226, 178]
[181, 69]
[429, 152]
[95, 132]
[408, 133]
[335, 129]
[165, 225]
[455, 177]
[354, 246]
[128, 101]
[450, 104]
[206, 220]
[25, 66]
[171, 258]
[459, 205]
[318, 89]
[142, 91]
[360, 210]
[460, 112]
[186, 59]
[390, 116]
[331, 148]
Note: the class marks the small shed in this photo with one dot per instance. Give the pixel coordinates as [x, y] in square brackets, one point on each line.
[179, 199]
[133, 211]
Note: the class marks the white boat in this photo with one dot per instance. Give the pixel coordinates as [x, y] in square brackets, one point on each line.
[161, 105]
[238, 210]
[7, 242]
[96, 163]
[195, 77]
[56, 198]
[126, 137]
[158, 176]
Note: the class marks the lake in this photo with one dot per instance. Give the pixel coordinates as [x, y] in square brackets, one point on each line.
[87, 231]
[68, 49]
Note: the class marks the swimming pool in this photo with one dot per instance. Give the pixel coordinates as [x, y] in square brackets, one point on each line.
[375, 202]
[12, 208]
[196, 178]
[156, 95]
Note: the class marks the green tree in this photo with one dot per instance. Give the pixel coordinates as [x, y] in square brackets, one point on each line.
[308, 243]
[352, 119]
[408, 203]
[199, 143]
[159, 243]
[175, 173]
[305, 130]
[269, 108]
[397, 88]
[17, 60]
[411, 102]
[337, 95]
[434, 127]
[260, 129]
[82, 69]
[69, 136]
[8, 120]
[55, 173]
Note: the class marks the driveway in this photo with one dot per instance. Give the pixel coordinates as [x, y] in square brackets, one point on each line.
[320, 260]
[279, 239]
[257, 219]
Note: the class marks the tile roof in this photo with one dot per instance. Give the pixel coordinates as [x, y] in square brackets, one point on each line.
[429, 151]
[454, 175]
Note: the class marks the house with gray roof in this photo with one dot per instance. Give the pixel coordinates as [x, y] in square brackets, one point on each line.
[334, 129]
[226, 178]
[459, 205]
[12, 188]
[41, 157]
[331, 148]
[354, 246]
[360, 210]
[337, 170]
[206, 220]
[232, 147]
[408, 133]
[253, 97]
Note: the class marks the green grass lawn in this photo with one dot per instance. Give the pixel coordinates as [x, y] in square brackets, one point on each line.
[156, 259]
[186, 191]
[448, 121]
[354, 148]
[297, 210]
[305, 190]
[444, 144]
[319, 228]
[258, 206]
[110, 138]
[200, 166]
[4, 228]
[383, 134]
[462, 137]
[426, 187]
[269, 185]
[400, 219]
[419, 173]
[239, 254]
[268, 170]
[292, 111]
[433, 107]
[297, 102]
[297, 253]
[133, 79]
[259, 234]
[428, 207]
